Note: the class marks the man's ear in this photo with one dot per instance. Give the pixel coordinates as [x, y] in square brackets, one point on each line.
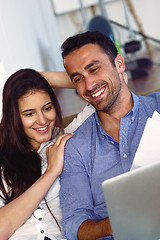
[120, 64]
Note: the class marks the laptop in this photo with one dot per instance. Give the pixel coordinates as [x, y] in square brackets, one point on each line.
[133, 203]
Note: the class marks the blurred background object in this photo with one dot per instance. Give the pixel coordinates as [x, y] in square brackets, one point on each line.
[32, 32]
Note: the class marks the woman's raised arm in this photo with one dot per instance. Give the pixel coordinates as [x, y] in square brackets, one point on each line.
[59, 79]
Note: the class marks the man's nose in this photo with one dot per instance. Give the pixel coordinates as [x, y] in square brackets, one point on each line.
[90, 82]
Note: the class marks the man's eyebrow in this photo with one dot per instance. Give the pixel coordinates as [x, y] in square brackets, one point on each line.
[86, 67]
[74, 75]
[91, 64]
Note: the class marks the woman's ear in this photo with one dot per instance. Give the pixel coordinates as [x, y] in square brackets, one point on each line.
[120, 64]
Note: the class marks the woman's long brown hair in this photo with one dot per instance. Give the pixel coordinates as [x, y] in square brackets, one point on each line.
[20, 164]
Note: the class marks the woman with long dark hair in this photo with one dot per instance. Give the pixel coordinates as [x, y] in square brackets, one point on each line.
[31, 158]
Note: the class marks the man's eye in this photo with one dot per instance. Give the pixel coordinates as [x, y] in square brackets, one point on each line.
[75, 80]
[94, 69]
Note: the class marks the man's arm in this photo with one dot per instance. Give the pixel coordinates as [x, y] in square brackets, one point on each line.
[59, 79]
[94, 229]
[76, 196]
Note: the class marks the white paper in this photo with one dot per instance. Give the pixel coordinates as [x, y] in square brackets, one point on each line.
[149, 147]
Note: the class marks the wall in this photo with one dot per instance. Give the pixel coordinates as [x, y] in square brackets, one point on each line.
[29, 35]
[32, 33]
[147, 12]
[30, 39]
[70, 21]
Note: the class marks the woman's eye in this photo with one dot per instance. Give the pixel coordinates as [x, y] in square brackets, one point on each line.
[48, 108]
[29, 114]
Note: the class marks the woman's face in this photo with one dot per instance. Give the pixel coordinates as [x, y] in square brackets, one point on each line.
[38, 116]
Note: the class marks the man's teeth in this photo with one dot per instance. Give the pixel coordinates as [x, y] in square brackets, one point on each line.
[41, 129]
[97, 93]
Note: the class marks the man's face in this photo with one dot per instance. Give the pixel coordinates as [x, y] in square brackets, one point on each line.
[96, 79]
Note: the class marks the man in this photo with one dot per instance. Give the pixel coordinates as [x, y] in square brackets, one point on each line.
[105, 144]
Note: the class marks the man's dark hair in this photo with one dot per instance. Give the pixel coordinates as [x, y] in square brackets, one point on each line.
[95, 37]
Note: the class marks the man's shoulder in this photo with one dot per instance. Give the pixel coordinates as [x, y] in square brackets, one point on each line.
[87, 125]
[151, 98]
[83, 134]
[150, 102]
[153, 95]
[80, 119]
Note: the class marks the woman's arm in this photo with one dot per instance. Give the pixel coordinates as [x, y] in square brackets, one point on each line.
[58, 79]
[16, 213]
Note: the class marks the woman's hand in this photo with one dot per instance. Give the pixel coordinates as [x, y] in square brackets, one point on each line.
[55, 154]
[10, 221]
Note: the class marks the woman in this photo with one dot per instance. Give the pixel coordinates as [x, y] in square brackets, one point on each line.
[29, 161]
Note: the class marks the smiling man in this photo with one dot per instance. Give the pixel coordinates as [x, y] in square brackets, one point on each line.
[105, 144]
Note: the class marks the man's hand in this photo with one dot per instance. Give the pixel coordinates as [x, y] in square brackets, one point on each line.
[94, 229]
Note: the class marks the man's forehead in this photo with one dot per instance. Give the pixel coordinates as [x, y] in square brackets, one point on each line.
[85, 48]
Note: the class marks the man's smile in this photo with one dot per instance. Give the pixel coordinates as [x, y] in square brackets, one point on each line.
[98, 93]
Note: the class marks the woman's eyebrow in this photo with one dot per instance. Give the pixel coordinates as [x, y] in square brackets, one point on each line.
[28, 110]
[47, 104]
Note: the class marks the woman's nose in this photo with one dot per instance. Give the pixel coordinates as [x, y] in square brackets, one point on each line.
[41, 118]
